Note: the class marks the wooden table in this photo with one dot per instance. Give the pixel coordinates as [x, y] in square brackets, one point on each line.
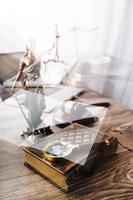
[111, 181]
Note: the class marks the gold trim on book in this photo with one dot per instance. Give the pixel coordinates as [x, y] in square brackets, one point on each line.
[58, 178]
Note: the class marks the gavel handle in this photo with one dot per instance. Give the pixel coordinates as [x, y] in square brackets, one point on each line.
[102, 104]
[86, 122]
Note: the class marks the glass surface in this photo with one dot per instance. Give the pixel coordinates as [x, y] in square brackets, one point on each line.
[75, 142]
[25, 111]
[20, 113]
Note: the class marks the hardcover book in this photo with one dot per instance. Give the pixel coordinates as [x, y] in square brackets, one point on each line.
[67, 171]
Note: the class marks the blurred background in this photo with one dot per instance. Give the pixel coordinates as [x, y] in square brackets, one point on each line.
[95, 39]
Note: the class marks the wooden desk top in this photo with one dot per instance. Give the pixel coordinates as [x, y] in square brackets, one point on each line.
[112, 181]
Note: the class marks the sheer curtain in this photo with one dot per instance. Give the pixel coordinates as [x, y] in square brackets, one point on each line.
[113, 19]
[117, 41]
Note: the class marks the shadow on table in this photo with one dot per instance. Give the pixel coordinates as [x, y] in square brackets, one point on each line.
[110, 179]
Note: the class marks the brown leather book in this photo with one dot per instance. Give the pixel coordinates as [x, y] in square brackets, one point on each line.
[66, 173]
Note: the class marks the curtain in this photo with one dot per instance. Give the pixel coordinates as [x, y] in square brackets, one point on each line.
[117, 41]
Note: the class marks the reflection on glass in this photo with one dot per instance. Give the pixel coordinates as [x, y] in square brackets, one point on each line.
[32, 106]
[74, 143]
